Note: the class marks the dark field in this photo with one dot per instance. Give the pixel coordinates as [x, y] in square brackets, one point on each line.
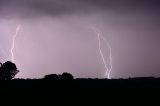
[89, 90]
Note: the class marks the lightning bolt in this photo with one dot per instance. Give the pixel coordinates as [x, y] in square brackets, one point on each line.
[108, 68]
[13, 42]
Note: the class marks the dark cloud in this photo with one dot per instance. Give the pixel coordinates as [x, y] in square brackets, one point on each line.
[35, 8]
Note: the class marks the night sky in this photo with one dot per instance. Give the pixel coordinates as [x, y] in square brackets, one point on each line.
[55, 37]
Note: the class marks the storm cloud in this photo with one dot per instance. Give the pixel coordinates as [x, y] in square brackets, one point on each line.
[35, 8]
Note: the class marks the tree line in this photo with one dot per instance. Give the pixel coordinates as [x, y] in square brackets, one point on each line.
[8, 71]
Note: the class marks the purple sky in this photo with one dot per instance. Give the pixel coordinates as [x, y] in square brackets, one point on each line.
[55, 36]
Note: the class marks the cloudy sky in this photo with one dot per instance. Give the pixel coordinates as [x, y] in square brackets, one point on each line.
[55, 37]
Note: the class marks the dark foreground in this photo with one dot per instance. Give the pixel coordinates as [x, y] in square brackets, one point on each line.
[80, 90]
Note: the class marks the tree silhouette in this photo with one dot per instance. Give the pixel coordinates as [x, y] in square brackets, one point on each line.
[8, 70]
[66, 76]
[51, 77]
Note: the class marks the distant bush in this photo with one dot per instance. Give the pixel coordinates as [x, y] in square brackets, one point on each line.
[66, 76]
[51, 77]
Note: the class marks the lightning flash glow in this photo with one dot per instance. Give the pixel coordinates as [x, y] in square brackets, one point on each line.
[13, 43]
[3, 54]
[100, 37]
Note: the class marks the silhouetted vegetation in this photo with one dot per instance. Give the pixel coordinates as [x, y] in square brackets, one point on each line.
[64, 76]
[51, 77]
[8, 70]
